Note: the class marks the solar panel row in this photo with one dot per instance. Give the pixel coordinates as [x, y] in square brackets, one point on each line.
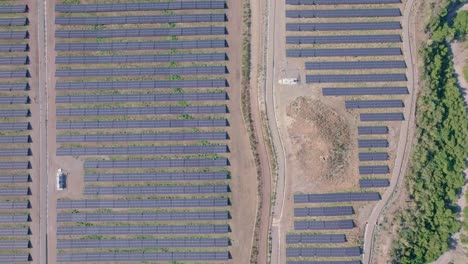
[162, 136]
[336, 197]
[338, 13]
[143, 256]
[13, 9]
[15, 258]
[340, 2]
[143, 32]
[146, 58]
[111, 98]
[109, 20]
[341, 26]
[192, 229]
[323, 252]
[13, 86]
[373, 143]
[126, 111]
[14, 218]
[14, 34]
[143, 45]
[14, 113]
[20, 21]
[354, 65]
[18, 191]
[374, 183]
[15, 126]
[142, 217]
[14, 244]
[155, 163]
[343, 39]
[343, 52]
[17, 178]
[335, 78]
[381, 117]
[15, 152]
[158, 176]
[323, 211]
[373, 156]
[14, 60]
[140, 203]
[325, 262]
[136, 124]
[374, 104]
[372, 130]
[159, 189]
[377, 169]
[323, 225]
[14, 99]
[139, 150]
[103, 72]
[14, 231]
[15, 165]
[315, 238]
[208, 83]
[350, 91]
[14, 73]
[13, 205]
[148, 6]
[143, 243]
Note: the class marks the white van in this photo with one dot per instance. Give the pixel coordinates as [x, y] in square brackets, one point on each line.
[61, 180]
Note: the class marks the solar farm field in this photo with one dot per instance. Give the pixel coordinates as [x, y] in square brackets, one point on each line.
[18, 90]
[148, 130]
[348, 106]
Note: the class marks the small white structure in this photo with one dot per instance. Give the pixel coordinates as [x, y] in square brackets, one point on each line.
[289, 81]
[61, 180]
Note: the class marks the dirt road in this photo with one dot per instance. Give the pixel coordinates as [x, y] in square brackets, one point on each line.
[406, 134]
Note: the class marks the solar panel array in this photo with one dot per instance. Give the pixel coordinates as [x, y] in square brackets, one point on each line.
[374, 183]
[323, 252]
[343, 52]
[372, 130]
[387, 38]
[15, 161]
[381, 117]
[339, 26]
[159, 100]
[350, 65]
[374, 104]
[372, 156]
[374, 169]
[315, 238]
[340, 2]
[323, 225]
[354, 78]
[338, 13]
[323, 211]
[337, 197]
[373, 143]
[348, 91]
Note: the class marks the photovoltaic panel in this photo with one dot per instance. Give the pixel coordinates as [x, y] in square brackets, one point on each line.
[162, 136]
[142, 32]
[14, 99]
[142, 217]
[21, 21]
[111, 98]
[380, 117]
[162, 110]
[373, 143]
[14, 152]
[191, 229]
[155, 163]
[14, 231]
[160, 84]
[14, 73]
[143, 243]
[6, 47]
[15, 165]
[354, 65]
[208, 70]
[336, 197]
[338, 13]
[15, 258]
[14, 178]
[158, 176]
[373, 156]
[315, 238]
[23, 191]
[5, 9]
[144, 256]
[139, 150]
[158, 189]
[343, 52]
[7, 87]
[146, 58]
[143, 203]
[388, 38]
[13, 205]
[340, 2]
[14, 126]
[14, 218]
[351, 91]
[14, 139]
[325, 262]
[143, 45]
[140, 124]
[14, 113]
[14, 60]
[372, 130]
[343, 26]
[14, 244]
[335, 78]
[323, 252]
[144, 6]
[14, 34]
[377, 169]
[374, 183]
[323, 225]
[323, 211]
[374, 104]
[111, 20]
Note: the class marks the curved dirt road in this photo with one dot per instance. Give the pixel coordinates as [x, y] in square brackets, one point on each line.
[406, 134]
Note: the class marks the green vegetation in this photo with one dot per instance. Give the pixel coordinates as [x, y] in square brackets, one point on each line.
[438, 158]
